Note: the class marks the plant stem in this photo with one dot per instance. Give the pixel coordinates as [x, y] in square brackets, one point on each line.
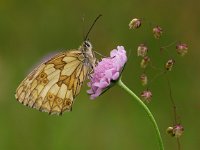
[149, 114]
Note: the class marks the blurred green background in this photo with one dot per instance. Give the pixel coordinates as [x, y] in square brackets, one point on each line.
[29, 30]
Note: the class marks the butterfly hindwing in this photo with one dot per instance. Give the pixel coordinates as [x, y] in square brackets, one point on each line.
[53, 85]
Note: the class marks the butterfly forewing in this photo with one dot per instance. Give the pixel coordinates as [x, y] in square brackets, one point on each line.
[53, 85]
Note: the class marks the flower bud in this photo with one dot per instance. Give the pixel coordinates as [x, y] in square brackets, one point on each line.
[135, 23]
[169, 64]
[142, 50]
[157, 32]
[146, 95]
[182, 48]
[145, 62]
[143, 79]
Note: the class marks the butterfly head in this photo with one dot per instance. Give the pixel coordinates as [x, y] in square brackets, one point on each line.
[87, 46]
[86, 49]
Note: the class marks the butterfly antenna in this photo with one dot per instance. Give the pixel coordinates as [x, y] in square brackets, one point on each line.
[92, 27]
[83, 26]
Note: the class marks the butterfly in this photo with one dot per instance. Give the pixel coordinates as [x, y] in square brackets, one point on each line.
[54, 84]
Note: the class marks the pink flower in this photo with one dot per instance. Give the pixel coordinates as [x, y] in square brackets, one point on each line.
[107, 71]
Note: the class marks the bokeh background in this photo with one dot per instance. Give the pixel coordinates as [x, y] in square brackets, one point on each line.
[30, 30]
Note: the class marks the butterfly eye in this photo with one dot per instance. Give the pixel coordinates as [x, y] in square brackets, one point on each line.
[87, 44]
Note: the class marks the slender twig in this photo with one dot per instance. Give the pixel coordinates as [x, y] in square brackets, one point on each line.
[174, 110]
[172, 100]
[179, 144]
[155, 77]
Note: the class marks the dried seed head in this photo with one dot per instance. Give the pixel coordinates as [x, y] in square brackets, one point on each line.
[175, 131]
[157, 32]
[145, 62]
[144, 79]
[134, 23]
[170, 131]
[178, 130]
[142, 50]
[182, 48]
[169, 64]
[146, 95]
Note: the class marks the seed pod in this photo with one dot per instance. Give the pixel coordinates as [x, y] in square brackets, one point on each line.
[142, 50]
[178, 130]
[144, 79]
[157, 32]
[145, 62]
[146, 95]
[169, 131]
[182, 49]
[169, 64]
[134, 23]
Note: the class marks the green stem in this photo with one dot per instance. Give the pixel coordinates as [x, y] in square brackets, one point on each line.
[149, 114]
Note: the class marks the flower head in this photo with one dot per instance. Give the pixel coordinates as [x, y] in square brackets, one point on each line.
[107, 71]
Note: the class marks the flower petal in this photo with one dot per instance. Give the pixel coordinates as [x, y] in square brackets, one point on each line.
[107, 70]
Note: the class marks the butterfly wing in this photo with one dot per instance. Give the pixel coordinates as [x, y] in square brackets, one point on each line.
[53, 85]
